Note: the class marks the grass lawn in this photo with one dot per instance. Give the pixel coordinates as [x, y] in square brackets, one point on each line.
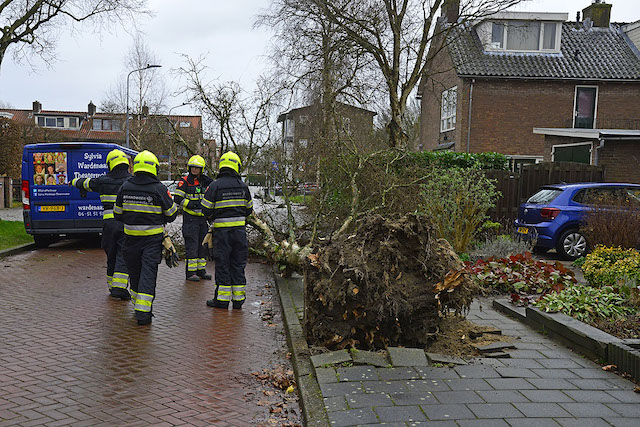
[12, 234]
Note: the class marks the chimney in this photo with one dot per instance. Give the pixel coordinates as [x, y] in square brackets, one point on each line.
[37, 107]
[599, 13]
[451, 10]
[91, 108]
[145, 110]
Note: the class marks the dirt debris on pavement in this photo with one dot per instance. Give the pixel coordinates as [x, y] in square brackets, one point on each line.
[279, 394]
[390, 283]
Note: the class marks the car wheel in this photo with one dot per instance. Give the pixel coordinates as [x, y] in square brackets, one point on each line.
[572, 245]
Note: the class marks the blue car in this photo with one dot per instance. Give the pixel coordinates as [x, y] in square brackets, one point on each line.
[553, 215]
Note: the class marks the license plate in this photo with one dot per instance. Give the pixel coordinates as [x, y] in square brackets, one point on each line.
[52, 208]
[523, 230]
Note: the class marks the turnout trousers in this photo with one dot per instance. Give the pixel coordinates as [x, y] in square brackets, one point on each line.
[230, 250]
[142, 255]
[113, 245]
[194, 230]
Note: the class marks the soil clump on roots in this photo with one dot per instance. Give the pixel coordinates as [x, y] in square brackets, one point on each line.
[388, 284]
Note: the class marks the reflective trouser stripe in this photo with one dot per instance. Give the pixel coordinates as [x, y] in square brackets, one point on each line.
[229, 222]
[202, 263]
[120, 280]
[192, 264]
[143, 302]
[224, 293]
[109, 281]
[238, 292]
[107, 214]
[143, 230]
[134, 296]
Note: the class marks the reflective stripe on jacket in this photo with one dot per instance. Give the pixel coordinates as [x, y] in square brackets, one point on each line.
[191, 188]
[227, 201]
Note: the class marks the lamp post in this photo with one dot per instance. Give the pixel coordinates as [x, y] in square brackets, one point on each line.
[169, 118]
[129, 75]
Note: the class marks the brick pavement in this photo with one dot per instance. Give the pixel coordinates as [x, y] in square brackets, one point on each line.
[542, 384]
[70, 354]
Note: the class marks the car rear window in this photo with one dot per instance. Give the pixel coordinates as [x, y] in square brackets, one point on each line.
[544, 196]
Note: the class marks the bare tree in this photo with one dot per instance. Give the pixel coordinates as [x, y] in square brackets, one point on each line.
[31, 26]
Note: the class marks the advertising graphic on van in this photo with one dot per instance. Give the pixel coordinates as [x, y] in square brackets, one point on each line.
[50, 168]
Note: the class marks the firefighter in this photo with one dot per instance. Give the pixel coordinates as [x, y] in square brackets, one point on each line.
[144, 205]
[227, 202]
[112, 230]
[189, 195]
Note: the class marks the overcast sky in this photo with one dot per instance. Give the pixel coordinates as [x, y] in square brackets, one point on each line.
[88, 65]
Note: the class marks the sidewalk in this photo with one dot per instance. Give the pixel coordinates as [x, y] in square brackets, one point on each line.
[12, 214]
[541, 384]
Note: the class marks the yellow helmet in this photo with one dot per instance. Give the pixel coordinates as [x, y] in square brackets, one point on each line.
[230, 160]
[196, 161]
[116, 157]
[146, 161]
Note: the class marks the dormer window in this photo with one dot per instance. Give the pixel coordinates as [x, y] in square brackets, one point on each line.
[525, 36]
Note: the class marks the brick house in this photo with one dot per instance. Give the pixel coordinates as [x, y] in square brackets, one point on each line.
[495, 80]
[91, 126]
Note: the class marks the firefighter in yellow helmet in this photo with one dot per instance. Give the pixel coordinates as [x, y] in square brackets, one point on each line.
[144, 205]
[112, 231]
[227, 203]
[188, 195]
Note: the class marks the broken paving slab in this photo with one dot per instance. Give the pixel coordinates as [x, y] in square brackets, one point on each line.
[496, 346]
[444, 359]
[477, 333]
[407, 356]
[497, 355]
[370, 358]
[330, 358]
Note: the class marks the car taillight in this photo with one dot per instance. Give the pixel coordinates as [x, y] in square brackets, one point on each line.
[26, 204]
[549, 213]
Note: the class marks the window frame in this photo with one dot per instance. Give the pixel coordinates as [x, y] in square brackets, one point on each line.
[595, 107]
[454, 111]
[505, 36]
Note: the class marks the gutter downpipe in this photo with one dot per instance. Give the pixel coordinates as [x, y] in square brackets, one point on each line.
[469, 119]
[596, 159]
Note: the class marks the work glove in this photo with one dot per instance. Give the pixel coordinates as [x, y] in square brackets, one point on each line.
[169, 252]
[207, 242]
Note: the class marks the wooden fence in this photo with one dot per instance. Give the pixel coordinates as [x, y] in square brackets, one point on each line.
[516, 188]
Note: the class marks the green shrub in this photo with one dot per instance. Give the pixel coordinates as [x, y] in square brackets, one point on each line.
[611, 266]
[586, 303]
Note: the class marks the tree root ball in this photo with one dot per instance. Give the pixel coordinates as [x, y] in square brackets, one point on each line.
[387, 284]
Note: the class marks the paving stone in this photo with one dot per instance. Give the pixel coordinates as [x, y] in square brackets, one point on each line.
[497, 355]
[326, 375]
[554, 373]
[434, 423]
[339, 389]
[426, 385]
[388, 374]
[588, 410]
[352, 417]
[367, 400]
[496, 346]
[557, 354]
[441, 358]
[586, 396]
[593, 373]
[625, 396]
[623, 422]
[384, 386]
[475, 333]
[522, 363]
[542, 410]
[551, 384]
[483, 423]
[530, 346]
[526, 354]
[487, 361]
[582, 422]
[546, 396]
[532, 422]
[358, 373]
[494, 410]
[559, 363]
[586, 384]
[451, 397]
[370, 358]
[516, 373]
[431, 373]
[502, 396]
[424, 398]
[472, 384]
[627, 410]
[407, 356]
[509, 383]
[447, 412]
[384, 424]
[476, 371]
[336, 403]
[400, 413]
[333, 357]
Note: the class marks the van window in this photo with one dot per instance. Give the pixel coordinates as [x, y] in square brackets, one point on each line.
[544, 196]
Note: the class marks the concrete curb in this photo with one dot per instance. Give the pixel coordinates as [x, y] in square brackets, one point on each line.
[17, 250]
[585, 339]
[311, 402]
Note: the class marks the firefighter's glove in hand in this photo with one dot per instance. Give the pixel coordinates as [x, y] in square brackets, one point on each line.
[170, 255]
[207, 242]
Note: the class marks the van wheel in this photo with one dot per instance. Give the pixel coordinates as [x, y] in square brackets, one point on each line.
[42, 241]
[572, 245]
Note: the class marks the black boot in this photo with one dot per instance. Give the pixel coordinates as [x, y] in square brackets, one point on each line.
[121, 293]
[237, 305]
[193, 277]
[143, 318]
[203, 274]
[218, 304]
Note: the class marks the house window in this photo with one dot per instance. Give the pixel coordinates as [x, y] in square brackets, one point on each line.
[73, 122]
[585, 107]
[185, 124]
[549, 37]
[525, 36]
[106, 124]
[448, 112]
[289, 128]
[497, 35]
[50, 122]
[97, 124]
[346, 125]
